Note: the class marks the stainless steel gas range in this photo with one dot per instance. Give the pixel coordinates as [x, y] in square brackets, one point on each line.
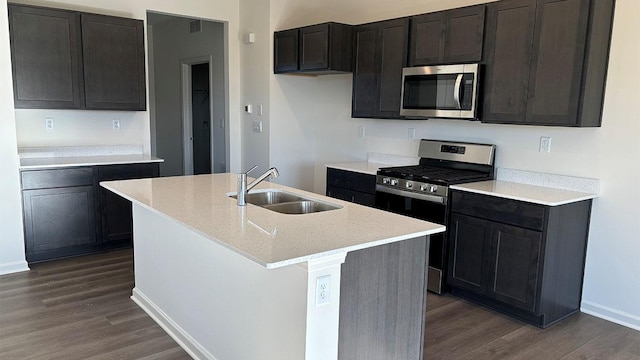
[421, 191]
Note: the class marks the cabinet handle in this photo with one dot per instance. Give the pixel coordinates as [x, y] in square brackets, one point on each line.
[353, 198]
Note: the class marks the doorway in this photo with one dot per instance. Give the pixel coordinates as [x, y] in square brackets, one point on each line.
[188, 94]
[200, 119]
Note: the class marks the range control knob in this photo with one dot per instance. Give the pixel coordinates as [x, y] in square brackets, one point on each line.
[394, 182]
[386, 181]
[408, 185]
[424, 187]
[433, 188]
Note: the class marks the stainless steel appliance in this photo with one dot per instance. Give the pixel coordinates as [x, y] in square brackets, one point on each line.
[441, 91]
[421, 191]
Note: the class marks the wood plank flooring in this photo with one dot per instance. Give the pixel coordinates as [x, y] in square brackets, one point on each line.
[79, 308]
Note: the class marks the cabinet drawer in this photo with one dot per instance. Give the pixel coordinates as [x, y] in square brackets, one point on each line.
[55, 178]
[127, 171]
[502, 210]
[351, 180]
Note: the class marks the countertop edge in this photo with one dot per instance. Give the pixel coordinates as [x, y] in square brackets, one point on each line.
[577, 198]
[90, 163]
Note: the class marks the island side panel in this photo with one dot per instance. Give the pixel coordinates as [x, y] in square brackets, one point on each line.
[216, 303]
[382, 302]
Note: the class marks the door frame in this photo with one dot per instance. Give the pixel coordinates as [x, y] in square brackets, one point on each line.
[187, 113]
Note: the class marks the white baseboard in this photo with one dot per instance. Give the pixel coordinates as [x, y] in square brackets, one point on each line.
[189, 344]
[610, 314]
[14, 267]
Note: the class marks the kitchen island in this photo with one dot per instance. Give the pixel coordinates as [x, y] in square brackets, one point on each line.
[232, 282]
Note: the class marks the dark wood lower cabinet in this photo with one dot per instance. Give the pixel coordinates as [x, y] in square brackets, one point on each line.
[523, 259]
[59, 221]
[351, 186]
[66, 212]
[382, 302]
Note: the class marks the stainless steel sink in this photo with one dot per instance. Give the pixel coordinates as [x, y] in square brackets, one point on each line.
[301, 207]
[287, 203]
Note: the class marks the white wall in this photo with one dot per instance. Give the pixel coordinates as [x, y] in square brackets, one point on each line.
[172, 45]
[11, 239]
[311, 126]
[255, 82]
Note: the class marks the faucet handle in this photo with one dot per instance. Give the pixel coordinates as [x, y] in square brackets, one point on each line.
[250, 170]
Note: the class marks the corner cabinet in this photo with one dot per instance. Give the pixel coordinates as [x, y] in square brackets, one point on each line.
[351, 186]
[316, 49]
[69, 60]
[523, 259]
[380, 53]
[66, 212]
[546, 61]
[445, 37]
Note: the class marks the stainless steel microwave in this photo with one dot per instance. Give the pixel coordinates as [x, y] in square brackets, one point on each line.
[441, 91]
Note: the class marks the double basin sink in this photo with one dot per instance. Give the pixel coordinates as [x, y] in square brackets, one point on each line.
[287, 203]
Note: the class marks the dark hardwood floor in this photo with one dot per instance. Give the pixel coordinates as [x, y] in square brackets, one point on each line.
[79, 308]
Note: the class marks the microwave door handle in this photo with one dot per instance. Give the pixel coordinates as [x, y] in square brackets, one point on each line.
[456, 91]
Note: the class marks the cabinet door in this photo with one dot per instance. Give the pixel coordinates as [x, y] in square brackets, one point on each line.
[557, 62]
[114, 69]
[46, 57]
[427, 39]
[515, 265]
[58, 219]
[468, 250]
[314, 47]
[116, 216]
[464, 31]
[285, 55]
[393, 57]
[365, 72]
[509, 35]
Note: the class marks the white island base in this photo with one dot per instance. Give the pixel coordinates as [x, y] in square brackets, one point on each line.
[220, 305]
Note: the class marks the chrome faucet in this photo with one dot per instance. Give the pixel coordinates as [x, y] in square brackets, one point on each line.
[243, 188]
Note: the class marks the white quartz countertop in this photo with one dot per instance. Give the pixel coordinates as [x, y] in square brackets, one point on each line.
[269, 238]
[530, 193]
[36, 163]
[363, 167]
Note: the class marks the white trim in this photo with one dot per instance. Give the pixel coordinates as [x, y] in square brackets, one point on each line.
[611, 314]
[14, 267]
[187, 113]
[189, 344]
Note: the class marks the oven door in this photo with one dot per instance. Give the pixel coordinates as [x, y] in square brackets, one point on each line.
[429, 211]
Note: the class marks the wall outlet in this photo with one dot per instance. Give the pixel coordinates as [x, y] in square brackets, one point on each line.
[545, 144]
[323, 290]
[116, 124]
[412, 134]
[361, 132]
[49, 124]
[257, 126]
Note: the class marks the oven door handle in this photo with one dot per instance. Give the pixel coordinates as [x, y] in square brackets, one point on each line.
[425, 197]
[456, 91]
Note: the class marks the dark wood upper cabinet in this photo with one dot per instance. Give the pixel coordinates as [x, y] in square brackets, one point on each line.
[546, 61]
[114, 69]
[285, 52]
[380, 54]
[69, 60]
[445, 37]
[46, 58]
[316, 49]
